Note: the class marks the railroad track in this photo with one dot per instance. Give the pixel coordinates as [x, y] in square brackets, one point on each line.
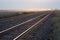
[18, 17]
[14, 17]
[12, 22]
[21, 31]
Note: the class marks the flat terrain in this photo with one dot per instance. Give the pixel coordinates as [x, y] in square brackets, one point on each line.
[9, 22]
[55, 35]
[29, 20]
[43, 32]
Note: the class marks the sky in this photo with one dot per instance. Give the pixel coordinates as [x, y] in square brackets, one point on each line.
[29, 4]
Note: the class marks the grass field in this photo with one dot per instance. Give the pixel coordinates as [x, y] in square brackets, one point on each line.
[11, 14]
[56, 26]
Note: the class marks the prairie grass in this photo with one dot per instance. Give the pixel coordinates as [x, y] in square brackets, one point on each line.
[5, 15]
[57, 13]
[56, 26]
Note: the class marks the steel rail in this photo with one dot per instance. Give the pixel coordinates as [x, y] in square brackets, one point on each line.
[31, 28]
[4, 31]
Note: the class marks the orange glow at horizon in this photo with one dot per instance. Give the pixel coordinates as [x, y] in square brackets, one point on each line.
[28, 10]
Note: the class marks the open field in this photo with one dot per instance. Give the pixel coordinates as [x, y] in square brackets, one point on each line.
[56, 26]
[12, 27]
[7, 14]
